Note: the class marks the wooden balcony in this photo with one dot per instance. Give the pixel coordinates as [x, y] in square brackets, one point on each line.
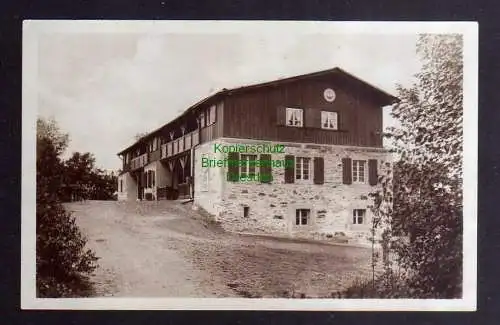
[180, 145]
[126, 167]
[139, 162]
[154, 156]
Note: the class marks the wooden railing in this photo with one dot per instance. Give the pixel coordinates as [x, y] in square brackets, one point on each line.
[139, 162]
[126, 167]
[179, 145]
[154, 156]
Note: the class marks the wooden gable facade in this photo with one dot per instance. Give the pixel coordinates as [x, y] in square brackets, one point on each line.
[259, 113]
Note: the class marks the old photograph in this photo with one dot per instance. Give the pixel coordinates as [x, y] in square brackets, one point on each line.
[249, 165]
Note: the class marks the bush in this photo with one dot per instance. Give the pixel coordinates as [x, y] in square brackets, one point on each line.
[63, 263]
[388, 285]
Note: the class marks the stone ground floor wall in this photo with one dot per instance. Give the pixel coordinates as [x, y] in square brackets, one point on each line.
[271, 207]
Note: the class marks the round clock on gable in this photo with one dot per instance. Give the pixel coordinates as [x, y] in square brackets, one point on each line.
[329, 95]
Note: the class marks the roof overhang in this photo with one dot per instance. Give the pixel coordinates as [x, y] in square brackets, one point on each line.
[382, 97]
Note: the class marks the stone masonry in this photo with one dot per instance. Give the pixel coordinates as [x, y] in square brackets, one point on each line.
[271, 207]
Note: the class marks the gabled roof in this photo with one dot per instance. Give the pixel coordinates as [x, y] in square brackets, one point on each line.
[383, 97]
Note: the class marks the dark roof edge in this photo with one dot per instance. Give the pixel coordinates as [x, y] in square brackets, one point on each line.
[204, 100]
[390, 99]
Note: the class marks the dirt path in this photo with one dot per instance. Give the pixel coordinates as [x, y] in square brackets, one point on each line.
[138, 260]
[163, 249]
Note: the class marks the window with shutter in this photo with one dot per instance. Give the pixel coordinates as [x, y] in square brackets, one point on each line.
[372, 172]
[346, 171]
[289, 169]
[319, 170]
[302, 168]
[266, 175]
[233, 167]
[281, 115]
[359, 171]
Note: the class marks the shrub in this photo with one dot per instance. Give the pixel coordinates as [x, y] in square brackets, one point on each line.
[63, 264]
[388, 285]
[62, 261]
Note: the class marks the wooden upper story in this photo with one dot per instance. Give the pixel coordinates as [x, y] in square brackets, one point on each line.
[326, 107]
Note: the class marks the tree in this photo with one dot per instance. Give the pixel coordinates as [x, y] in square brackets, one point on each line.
[63, 264]
[79, 170]
[49, 130]
[422, 198]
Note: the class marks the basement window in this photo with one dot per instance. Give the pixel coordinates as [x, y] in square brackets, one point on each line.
[246, 212]
[302, 217]
[358, 216]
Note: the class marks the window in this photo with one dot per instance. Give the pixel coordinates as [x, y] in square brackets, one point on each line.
[358, 216]
[358, 171]
[121, 185]
[247, 166]
[302, 217]
[246, 212]
[302, 166]
[294, 117]
[153, 174]
[329, 120]
[155, 144]
[211, 115]
[202, 120]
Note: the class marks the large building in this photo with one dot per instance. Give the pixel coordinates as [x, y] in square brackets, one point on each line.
[295, 156]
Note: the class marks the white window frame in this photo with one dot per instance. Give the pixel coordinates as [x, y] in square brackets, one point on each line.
[299, 168]
[299, 217]
[356, 215]
[245, 168]
[331, 119]
[296, 115]
[359, 169]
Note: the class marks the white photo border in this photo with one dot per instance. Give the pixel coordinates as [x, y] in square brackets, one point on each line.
[33, 28]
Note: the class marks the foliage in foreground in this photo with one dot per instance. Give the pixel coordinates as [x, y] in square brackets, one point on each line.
[63, 264]
[422, 198]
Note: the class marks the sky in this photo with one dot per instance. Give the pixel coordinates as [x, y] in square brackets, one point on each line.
[103, 88]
